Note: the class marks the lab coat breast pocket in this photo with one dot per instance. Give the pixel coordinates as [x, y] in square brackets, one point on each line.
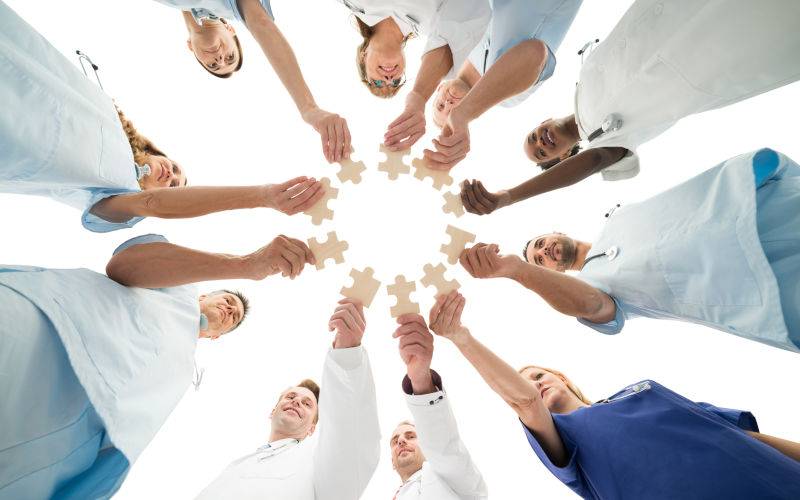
[704, 264]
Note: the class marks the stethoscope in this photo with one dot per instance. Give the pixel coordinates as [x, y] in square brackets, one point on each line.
[81, 57]
[268, 450]
[612, 251]
[611, 122]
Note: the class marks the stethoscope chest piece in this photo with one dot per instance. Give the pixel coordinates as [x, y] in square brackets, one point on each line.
[611, 123]
[612, 252]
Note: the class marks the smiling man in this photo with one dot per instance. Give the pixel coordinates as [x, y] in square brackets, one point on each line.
[341, 462]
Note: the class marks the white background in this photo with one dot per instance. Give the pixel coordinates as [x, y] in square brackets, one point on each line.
[246, 131]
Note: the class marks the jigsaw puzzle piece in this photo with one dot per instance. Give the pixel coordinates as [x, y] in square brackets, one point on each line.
[434, 276]
[402, 289]
[364, 286]
[440, 177]
[351, 170]
[320, 210]
[394, 165]
[458, 242]
[331, 249]
[453, 204]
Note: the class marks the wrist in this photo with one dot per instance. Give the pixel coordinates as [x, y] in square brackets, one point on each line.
[415, 101]
[264, 195]
[307, 110]
[339, 342]
[422, 381]
[462, 338]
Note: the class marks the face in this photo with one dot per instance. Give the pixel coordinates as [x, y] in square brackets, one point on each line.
[384, 65]
[163, 173]
[214, 46]
[448, 96]
[223, 310]
[548, 141]
[552, 389]
[554, 251]
[406, 453]
[295, 412]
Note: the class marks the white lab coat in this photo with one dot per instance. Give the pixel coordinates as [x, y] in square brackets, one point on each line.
[338, 465]
[667, 60]
[449, 472]
[457, 23]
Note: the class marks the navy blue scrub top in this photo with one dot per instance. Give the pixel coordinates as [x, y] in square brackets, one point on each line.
[649, 442]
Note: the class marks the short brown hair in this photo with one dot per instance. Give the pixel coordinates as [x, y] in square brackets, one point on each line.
[311, 386]
[366, 31]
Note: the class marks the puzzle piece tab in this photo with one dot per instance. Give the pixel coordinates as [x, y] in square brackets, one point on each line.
[364, 286]
[453, 204]
[331, 249]
[394, 165]
[402, 290]
[440, 177]
[458, 242]
[434, 276]
[320, 209]
[351, 170]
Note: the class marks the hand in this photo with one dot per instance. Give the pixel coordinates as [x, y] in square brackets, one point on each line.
[452, 145]
[349, 323]
[445, 317]
[333, 130]
[293, 196]
[485, 261]
[409, 127]
[416, 351]
[477, 200]
[283, 255]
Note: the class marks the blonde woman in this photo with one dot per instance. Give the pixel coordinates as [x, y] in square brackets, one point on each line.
[644, 441]
[62, 137]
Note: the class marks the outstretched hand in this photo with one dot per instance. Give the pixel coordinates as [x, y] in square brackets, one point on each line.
[409, 127]
[293, 196]
[485, 261]
[445, 317]
[416, 350]
[478, 200]
[283, 255]
[349, 323]
[452, 145]
[333, 131]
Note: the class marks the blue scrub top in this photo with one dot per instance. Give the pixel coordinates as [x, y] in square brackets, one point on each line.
[649, 442]
[513, 22]
[227, 9]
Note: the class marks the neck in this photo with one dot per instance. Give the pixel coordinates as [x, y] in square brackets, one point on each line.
[406, 472]
[572, 127]
[386, 33]
[573, 404]
[580, 254]
[276, 435]
[193, 27]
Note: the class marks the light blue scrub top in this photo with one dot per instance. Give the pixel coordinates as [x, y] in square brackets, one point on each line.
[226, 9]
[647, 442]
[131, 348]
[513, 22]
[692, 253]
[60, 135]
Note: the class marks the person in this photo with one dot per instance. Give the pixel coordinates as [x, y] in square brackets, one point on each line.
[346, 453]
[516, 55]
[452, 28]
[659, 64]
[90, 156]
[445, 470]
[720, 250]
[215, 45]
[94, 365]
[645, 441]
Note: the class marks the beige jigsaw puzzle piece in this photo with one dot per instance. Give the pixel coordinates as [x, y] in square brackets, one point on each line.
[402, 290]
[394, 165]
[453, 204]
[434, 276]
[364, 286]
[320, 209]
[351, 170]
[440, 177]
[458, 242]
[331, 249]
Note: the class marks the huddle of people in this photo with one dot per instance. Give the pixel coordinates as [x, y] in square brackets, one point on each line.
[97, 362]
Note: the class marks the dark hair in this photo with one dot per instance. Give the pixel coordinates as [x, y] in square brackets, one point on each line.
[311, 386]
[525, 251]
[366, 31]
[572, 152]
[245, 305]
[238, 66]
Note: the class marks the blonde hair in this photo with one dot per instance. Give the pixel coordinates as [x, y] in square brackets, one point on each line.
[366, 31]
[570, 385]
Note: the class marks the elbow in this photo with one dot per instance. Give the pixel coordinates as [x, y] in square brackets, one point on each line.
[598, 308]
[534, 53]
[116, 270]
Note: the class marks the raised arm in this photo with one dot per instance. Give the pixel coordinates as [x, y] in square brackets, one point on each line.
[478, 200]
[163, 265]
[566, 294]
[331, 127]
[520, 395]
[514, 72]
[788, 448]
[291, 197]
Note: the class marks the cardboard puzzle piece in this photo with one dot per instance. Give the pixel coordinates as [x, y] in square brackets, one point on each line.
[331, 249]
[320, 209]
[351, 170]
[394, 165]
[458, 242]
[453, 204]
[440, 177]
[364, 286]
[402, 290]
[434, 276]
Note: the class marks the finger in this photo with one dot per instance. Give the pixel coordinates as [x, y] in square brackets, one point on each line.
[446, 151]
[470, 194]
[435, 310]
[356, 312]
[408, 328]
[324, 135]
[338, 147]
[347, 144]
[292, 182]
[465, 199]
[407, 143]
[400, 119]
[306, 253]
[433, 165]
[459, 307]
[296, 188]
[295, 254]
[449, 308]
[306, 200]
[465, 262]
[346, 318]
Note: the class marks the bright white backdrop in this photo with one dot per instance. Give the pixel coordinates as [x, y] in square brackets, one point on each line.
[246, 131]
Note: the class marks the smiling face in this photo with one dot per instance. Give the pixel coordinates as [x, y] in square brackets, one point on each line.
[407, 457]
[448, 96]
[553, 390]
[223, 310]
[295, 413]
[554, 251]
[384, 65]
[215, 46]
[549, 141]
[163, 173]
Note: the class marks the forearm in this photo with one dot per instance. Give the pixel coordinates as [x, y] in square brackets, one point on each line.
[435, 64]
[788, 448]
[163, 265]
